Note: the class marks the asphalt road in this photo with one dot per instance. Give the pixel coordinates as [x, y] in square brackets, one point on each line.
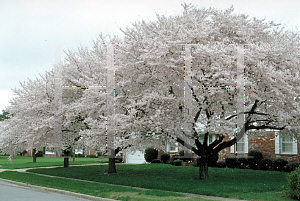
[12, 192]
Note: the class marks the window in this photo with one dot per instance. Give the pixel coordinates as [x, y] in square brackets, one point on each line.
[210, 139]
[286, 144]
[172, 147]
[240, 145]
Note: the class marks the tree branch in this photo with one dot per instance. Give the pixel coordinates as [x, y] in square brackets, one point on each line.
[197, 115]
[265, 127]
[216, 142]
[190, 147]
[246, 113]
[198, 144]
[223, 145]
[205, 139]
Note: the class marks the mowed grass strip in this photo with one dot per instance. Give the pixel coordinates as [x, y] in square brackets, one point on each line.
[224, 182]
[26, 162]
[95, 189]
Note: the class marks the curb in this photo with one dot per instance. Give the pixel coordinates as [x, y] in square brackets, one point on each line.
[62, 192]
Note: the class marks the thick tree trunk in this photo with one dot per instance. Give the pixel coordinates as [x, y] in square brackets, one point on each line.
[66, 158]
[33, 155]
[112, 166]
[203, 167]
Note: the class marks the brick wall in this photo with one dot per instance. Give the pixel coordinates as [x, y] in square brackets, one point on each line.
[263, 141]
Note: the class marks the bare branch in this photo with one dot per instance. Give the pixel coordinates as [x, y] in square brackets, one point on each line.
[223, 145]
[190, 147]
[216, 142]
[265, 127]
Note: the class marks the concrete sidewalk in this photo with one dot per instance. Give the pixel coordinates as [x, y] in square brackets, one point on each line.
[93, 197]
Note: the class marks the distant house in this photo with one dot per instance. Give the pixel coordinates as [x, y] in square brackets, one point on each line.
[79, 150]
[272, 144]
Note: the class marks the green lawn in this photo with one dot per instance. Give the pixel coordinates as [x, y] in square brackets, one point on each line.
[235, 183]
[26, 162]
[96, 189]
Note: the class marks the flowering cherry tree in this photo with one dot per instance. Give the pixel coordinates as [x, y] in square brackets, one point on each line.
[32, 119]
[28, 125]
[271, 58]
[88, 68]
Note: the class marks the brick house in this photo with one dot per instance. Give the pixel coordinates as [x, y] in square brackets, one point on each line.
[267, 142]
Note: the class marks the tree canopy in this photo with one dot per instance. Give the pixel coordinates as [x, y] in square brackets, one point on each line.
[150, 70]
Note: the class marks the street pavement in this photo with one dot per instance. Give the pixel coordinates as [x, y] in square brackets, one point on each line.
[13, 192]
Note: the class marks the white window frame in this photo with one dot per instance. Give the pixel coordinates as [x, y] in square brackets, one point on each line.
[233, 148]
[277, 143]
[213, 138]
[169, 147]
[240, 142]
[293, 143]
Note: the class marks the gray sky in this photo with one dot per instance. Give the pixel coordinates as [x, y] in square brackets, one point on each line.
[29, 28]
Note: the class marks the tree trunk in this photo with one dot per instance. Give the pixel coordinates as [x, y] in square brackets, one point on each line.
[33, 155]
[112, 166]
[74, 156]
[203, 167]
[66, 158]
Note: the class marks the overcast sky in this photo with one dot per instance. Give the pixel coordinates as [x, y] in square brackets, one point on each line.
[29, 28]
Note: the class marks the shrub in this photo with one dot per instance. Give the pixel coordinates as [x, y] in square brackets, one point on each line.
[91, 156]
[291, 166]
[212, 161]
[266, 164]
[293, 189]
[242, 163]
[231, 162]
[175, 157]
[171, 161]
[189, 155]
[177, 162]
[39, 154]
[99, 153]
[119, 160]
[80, 155]
[255, 161]
[165, 157]
[155, 161]
[150, 154]
[279, 164]
[222, 164]
[194, 163]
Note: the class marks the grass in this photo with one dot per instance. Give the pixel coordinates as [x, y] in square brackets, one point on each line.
[26, 162]
[96, 189]
[224, 182]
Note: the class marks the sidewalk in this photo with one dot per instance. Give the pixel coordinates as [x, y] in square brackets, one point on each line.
[93, 197]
